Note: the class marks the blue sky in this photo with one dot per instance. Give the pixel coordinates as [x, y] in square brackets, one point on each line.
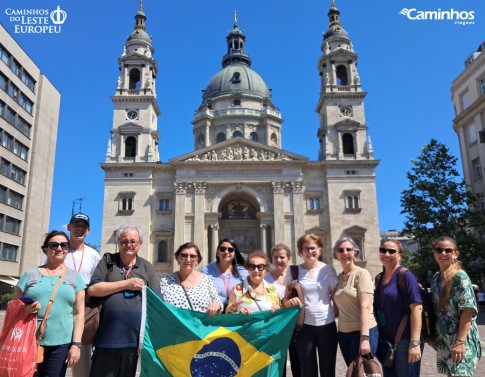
[405, 66]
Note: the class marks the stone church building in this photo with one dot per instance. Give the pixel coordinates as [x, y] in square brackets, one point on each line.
[238, 181]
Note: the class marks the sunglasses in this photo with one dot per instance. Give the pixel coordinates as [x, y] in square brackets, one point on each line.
[259, 267]
[383, 250]
[55, 245]
[189, 256]
[439, 250]
[229, 249]
[347, 249]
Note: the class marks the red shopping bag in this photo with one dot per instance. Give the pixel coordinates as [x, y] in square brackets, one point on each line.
[18, 345]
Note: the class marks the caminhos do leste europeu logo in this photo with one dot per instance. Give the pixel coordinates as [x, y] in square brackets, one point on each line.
[458, 17]
[37, 21]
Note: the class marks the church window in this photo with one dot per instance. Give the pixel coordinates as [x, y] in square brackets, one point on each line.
[313, 203]
[352, 201]
[348, 143]
[162, 255]
[342, 78]
[253, 136]
[130, 146]
[126, 204]
[134, 79]
[237, 134]
[164, 205]
[274, 140]
[237, 102]
[236, 78]
[200, 141]
[482, 86]
[220, 137]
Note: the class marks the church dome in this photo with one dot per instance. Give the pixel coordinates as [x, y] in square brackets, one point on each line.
[236, 78]
[335, 30]
[139, 35]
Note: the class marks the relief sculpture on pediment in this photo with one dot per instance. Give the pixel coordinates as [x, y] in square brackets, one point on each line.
[238, 153]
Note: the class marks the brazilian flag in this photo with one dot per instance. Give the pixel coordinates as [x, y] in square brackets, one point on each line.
[179, 342]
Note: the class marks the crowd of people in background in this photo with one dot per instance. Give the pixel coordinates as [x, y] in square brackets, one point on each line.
[367, 312]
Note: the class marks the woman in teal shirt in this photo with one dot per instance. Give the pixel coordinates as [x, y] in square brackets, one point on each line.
[64, 325]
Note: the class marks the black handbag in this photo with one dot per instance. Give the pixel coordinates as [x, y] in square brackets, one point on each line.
[385, 352]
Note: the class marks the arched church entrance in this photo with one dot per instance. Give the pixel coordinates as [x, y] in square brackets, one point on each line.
[239, 222]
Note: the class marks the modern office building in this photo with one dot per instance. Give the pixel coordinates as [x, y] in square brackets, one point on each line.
[238, 181]
[29, 112]
[468, 96]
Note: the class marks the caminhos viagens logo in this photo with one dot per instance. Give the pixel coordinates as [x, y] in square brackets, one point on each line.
[458, 17]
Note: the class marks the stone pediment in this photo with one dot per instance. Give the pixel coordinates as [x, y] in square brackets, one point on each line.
[347, 124]
[239, 149]
[130, 128]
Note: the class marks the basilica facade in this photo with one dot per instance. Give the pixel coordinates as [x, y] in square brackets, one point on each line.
[239, 182]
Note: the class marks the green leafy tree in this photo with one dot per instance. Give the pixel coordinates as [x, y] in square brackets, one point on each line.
[437, 203]
[95, 247]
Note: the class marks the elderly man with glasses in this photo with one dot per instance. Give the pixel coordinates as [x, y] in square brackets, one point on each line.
[119, 279]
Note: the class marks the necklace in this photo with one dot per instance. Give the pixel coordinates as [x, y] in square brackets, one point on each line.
[386, 279]
[48, 273]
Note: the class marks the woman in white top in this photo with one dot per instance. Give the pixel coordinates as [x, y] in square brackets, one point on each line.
[357, 327]
[281, 255]
[317, 281]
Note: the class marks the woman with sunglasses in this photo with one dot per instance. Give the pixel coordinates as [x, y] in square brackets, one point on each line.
[395, 309]
[357, 327]
[188, 288]
[64, 325]
[255, 294]
[228, 269]
[318, 335]
[457, 341]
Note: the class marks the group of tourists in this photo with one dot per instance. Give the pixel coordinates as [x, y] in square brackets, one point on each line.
[367, 312]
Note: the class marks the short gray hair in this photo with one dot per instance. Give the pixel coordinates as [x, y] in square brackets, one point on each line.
[122, 229]
[351, 241]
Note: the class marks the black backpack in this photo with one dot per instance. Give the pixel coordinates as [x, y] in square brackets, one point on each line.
[428, 315]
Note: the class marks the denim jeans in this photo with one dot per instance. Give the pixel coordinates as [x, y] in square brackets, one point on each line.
[349, 343]
[54, 364]
[401, 367]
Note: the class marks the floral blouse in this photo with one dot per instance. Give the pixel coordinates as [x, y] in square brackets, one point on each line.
[243, 296]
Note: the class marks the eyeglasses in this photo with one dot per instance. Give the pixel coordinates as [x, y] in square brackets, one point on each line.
[439, 250]
[55, 245]
[346, 249]
[132, 243]
[189, 256]
[309, 248]
[259, 267]
[383, 250]
[229, 249]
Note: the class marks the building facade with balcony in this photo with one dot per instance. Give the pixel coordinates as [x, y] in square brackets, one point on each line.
[468, 96]
[239, 182]
[29, 113]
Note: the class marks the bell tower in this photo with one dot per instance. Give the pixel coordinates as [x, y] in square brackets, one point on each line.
[343, 131]
[134, 136]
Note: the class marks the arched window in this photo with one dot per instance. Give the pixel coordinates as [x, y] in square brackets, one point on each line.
[134, 79]
[162, 251]
[348, 144]
[253, 136]
[220, 137]
[130, 146]
[342, 78]
[200, 141]
[274, 140]
[237, 134]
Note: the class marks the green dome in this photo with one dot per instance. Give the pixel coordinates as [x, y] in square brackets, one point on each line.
[236, 78]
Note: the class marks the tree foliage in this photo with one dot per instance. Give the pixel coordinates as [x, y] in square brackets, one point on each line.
[437, 203]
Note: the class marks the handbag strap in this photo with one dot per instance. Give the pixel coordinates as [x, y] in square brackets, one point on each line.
[400, 329]
[185, 291]
[49, 306]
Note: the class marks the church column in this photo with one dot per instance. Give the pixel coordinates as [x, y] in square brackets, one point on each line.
[298, 207]
[199, 217]
[279, 212]
[264, 239]
[215, 241]
[179, 209]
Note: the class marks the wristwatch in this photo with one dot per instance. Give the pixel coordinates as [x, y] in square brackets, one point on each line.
[364, 337]
[77, 344]
[414, 342]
